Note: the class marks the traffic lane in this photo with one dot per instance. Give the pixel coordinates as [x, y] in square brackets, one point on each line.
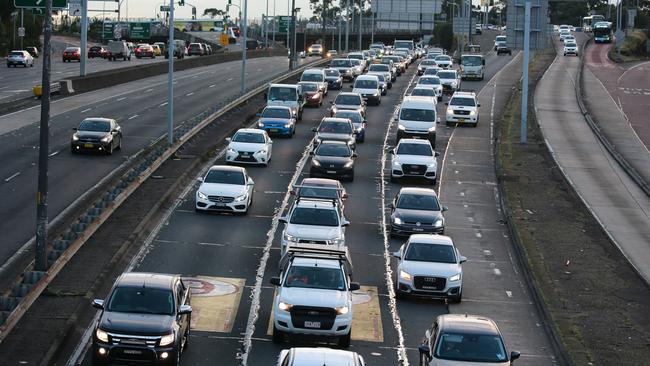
[378, 339]
[17, 218]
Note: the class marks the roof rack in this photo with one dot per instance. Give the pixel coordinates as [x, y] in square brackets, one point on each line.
[333, 201]
[318, 251]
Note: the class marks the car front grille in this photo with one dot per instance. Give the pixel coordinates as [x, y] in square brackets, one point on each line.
[429, 283]
[221, 199]
[302, 314]
[461, 113]
[310, 241]
[245, 156]
[414, 169]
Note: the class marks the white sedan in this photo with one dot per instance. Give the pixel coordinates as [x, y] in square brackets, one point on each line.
[249, 146]
[225, 189]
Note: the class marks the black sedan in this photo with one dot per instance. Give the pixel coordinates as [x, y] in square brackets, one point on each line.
[97, 134]
[333, 159]
[416, 211]
[334, 79]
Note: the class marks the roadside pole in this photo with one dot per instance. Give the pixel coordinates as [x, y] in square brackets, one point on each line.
[524, 81]
[170, 77]
[22, 26]
[347, 30]
[359, 38]
[84, 37]
[40, 260]
[274, 22]
[372, 27]
[266, 26]
[243, 54]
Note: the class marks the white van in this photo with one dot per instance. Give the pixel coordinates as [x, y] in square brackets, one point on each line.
[369, 88]
[316, 76]
[287, 95]
[417, 118]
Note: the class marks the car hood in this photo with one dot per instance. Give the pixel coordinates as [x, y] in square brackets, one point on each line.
[414, 159]
[326, 161]
[314, 297]
[417, 215]
[130, 323]
[244, 146]
[417, 268]
[314, 232]
[334, 136]
[219, 189]
[91, 135]
[440, 362]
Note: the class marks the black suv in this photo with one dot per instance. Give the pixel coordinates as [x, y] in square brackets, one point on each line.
[145, 320]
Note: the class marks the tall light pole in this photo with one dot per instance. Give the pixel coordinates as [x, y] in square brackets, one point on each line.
[170, 77]
[274, 21]
[347, 29]
[266, 26]
[243, 54]
[84, 37]
[360, 46]
[524, 82]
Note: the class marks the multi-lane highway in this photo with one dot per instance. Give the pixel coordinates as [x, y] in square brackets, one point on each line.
[229, 259]
[139, 107]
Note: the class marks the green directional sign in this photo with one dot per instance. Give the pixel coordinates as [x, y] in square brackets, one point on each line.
[283, 24]
[107, 31]
[56, 4]
[140, 30]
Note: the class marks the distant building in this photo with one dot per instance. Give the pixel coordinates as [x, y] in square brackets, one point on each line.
[405, 14]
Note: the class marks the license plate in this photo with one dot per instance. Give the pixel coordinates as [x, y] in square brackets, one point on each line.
[331, 172]
[461, 120]
[132, 352]
[429, 287]
[274, 130]
[414, 173]
[418, 229]
[312, 324]
[220, 204]
[88, 145]
[245, 154]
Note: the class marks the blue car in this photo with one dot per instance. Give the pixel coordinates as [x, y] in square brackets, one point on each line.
[277, 120]
[357, 119]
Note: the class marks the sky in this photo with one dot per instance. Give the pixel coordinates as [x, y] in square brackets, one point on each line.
[148, 8]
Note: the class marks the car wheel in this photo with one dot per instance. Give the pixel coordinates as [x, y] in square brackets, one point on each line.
[457, 298]
[434, 181]
[187, 335]
[278, 335]
[109, 151]
[344, 341]
[351, 179]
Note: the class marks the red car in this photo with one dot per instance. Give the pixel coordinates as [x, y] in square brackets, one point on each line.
[144, 50]
[72, 53]
[312, 93]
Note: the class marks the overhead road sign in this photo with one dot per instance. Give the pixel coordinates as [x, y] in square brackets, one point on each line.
[284, 22]
[56, 4]
[75, 8]
[140, 30]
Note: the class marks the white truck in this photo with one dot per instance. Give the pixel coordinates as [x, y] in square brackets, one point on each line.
[118, 49]
[472, 66]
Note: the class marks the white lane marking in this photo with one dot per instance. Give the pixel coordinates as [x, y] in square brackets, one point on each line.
[253, 314]
[229, 79]
[212, 86]
[121, 99]
[509, 293]
[497, 272]
[479, 235]
[162, 104]
[148, 90]
[189, 94]
[392, 302]
[133, 116]
[55, 153]
[12, 176]
[86, 110]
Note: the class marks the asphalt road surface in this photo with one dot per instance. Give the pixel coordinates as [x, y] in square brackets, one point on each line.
[224, 253]
[139, 107]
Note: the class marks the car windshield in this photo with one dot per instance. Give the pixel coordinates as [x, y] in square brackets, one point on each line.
[424, 202]
[95, 126]
[282, 94]
[355, 62]
[423, 92]
[340, 150]
[467, 102]
[471, 348]
[315, 46]
[431, 71]
[471, 61]
[315, 277]
[501, 43]
[312, 77]
[309, 87]
[356, 57]
[335, 127]
[420, 115]
[377, 67]
[447, 75]
[414, 149]
[141, 300]
[429, 81]
[425, 252]
[347, 99]
[314, 216]
[16, 53]
[331, 72]
[443, 58]
[224, 177]
[500, 39]
[355, 117]
[249, 137]
[341, 63]
[365, 84]
[569, 44]
[276, 113]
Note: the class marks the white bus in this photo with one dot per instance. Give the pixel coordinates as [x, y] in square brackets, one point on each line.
[589, 21]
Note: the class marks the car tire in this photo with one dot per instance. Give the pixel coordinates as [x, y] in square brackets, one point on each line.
[109, 151]
[434, 181]
[344, 341]
[456, 299]
[278, 335]
[187, 334]
[119, 146]
[31, 65]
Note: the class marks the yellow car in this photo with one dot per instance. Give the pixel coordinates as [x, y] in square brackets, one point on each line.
[156, 50]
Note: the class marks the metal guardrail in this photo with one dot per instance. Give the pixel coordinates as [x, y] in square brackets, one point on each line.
[30, 284]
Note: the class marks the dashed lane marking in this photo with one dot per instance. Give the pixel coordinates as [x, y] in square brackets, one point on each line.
[215, 301]
[133, 116]
[12, 176]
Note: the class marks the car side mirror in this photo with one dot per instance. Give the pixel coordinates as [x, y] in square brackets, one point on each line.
[275, 281]
[200, 179]
[514, 355]
[270, 142]
[345, 223]
[228, 139]
[265, 96]
[250, 182]
[397, 254]
[395, 119]
[478, 105]
[75, 129]
[283, 219]
[354, 286]
[446, 103]
[331, 102]
[392, 151]
[258, 114]
[425, 350]
[314, 129]
[354, 155]
[311, 153]
[483, 62]
[445, 208]
[351, 86]
[184, 309]
[463, 259]
[98, 304]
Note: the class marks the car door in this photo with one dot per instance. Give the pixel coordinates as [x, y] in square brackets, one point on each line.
[269, 145]
[182, 298]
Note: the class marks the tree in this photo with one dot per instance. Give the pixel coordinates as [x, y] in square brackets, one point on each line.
[213, 12]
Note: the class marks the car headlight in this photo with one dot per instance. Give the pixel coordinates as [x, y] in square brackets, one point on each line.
[348, 165]
[315, 162]
[439, 223]
[240, 198]
[263, 152]
[202, 195]
[455, 277]
[453, 84]
[397, 221]
[431, 165]
[284, 306]
[289, 237]
[375, 95]
[334, 109]
[260, 124]
[342, 310]
[397, 164]
[230, 150]
[167, 339]
[401, 127]
[472, 113]
[75, 137]
[450, 111]
[405, 276]
[432, 129]
[101, 335]
[106, 138]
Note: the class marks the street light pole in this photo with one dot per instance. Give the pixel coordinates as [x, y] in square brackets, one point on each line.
[266, 26]
[243, 54]
[360, 46]
[170, 77]
[524, 82]
[84, 37]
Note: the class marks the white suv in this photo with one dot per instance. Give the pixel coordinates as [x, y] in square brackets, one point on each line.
[429, 265]
[462, 108]
[314, 294]
[314, 221]
[414, 158]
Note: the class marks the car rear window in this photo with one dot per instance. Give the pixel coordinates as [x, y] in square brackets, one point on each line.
[95, 126]
[17, 53]
[348, 100]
